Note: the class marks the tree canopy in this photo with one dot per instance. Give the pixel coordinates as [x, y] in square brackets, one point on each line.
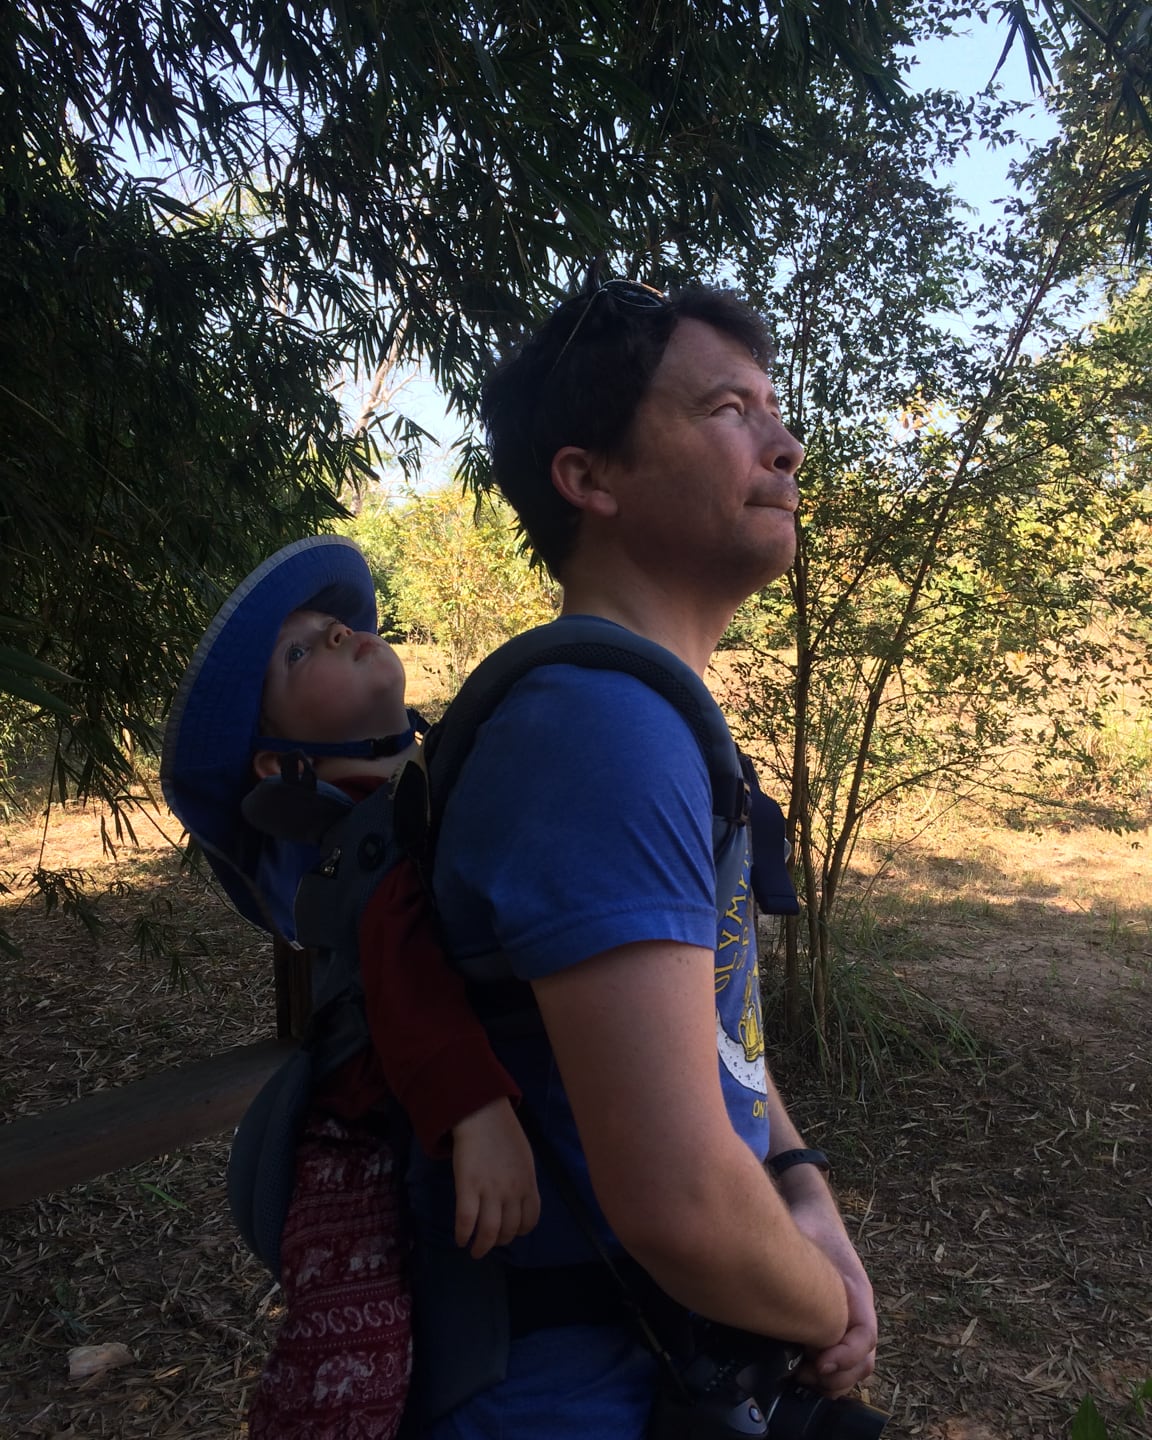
[971, 586]
[452, 573]
[421, 173]
[207, 210]
[331, 186]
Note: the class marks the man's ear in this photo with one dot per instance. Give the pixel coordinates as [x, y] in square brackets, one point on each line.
[266, 763]
[580, 480]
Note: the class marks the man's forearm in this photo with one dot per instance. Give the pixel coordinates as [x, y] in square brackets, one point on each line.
[731, 1249]
[782, 1133]
[802, 1187]
[633, 1032]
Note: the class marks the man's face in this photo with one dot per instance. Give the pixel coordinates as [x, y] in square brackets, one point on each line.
[707, 488]
[329, 683]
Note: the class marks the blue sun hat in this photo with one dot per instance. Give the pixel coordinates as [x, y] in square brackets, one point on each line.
[214, 723]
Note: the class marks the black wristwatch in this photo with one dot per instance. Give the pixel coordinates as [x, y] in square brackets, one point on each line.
[777, 1164]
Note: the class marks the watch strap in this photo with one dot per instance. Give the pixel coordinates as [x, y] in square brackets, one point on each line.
[777, 1164]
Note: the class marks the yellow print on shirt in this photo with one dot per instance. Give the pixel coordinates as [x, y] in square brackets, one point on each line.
[751, 1031]
[733, 932]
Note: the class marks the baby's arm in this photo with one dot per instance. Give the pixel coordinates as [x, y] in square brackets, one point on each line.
[439, 1063]
[495, 1175]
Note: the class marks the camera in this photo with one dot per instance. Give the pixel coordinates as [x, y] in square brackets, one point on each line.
[739, 1386]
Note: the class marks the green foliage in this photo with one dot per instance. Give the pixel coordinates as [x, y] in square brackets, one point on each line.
[160, 432]
[373, 141]
[973, 550]
[1104, 95]
[162, 935]
[455, 573]
[332, 188]
[1114, 761]
[1088, 1424]
[23, 678]
[375, 527]
[876, 1023]
[67, 890]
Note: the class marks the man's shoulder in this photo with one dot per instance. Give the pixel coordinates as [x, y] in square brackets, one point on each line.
[591, 799]
[604, 720]
[582, 733]
[580, 683]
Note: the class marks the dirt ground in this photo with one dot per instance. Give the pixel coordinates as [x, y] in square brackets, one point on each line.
[998, 1182]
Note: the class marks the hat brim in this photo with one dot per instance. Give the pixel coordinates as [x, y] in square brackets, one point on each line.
[206, 762]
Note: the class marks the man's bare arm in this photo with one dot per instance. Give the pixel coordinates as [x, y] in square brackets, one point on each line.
[634, 1034]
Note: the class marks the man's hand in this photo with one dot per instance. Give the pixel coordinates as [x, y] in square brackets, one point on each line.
[840, 1367]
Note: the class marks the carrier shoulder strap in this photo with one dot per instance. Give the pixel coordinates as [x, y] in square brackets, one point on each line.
[595, 645]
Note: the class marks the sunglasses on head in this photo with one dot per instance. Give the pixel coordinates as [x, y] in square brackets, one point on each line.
[631, 293]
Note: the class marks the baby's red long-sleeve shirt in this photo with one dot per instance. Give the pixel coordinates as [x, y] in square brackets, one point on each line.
[429, 1049]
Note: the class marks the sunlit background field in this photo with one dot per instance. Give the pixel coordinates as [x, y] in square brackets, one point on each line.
[988, 1108]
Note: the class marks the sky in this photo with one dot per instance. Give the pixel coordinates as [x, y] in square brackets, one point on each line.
[965, 63]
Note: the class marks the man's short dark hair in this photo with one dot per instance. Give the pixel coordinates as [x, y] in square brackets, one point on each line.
[578, 381]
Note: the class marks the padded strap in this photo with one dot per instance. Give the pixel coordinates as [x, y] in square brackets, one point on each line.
[595, 645]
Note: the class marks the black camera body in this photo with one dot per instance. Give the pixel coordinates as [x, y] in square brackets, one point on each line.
[739, 1386]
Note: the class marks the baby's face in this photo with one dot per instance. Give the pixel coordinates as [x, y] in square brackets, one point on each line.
[329, 683]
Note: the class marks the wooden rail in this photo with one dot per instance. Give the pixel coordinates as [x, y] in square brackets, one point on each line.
[157, 1114]
[124, 1126]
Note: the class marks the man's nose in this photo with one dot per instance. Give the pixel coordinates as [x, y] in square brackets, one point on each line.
[782, 451]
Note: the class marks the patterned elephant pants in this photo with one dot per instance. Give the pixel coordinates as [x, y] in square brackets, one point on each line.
[340, 1365]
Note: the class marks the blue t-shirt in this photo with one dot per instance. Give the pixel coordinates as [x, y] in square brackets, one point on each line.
[583, 821]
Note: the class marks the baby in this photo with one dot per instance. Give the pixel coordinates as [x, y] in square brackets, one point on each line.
[292, 662]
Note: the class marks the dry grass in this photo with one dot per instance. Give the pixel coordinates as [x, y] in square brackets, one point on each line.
[426, 675]
[1003, 1200]
[146, 1257]
[1002, 1204]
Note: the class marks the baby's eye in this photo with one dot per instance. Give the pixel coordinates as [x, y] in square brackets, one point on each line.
[293, 653]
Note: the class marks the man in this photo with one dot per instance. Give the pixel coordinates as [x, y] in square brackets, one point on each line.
[641, 443]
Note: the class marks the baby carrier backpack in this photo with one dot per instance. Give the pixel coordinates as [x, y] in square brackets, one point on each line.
[360, 843]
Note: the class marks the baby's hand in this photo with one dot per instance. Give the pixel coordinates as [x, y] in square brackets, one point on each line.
[495, 1174]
